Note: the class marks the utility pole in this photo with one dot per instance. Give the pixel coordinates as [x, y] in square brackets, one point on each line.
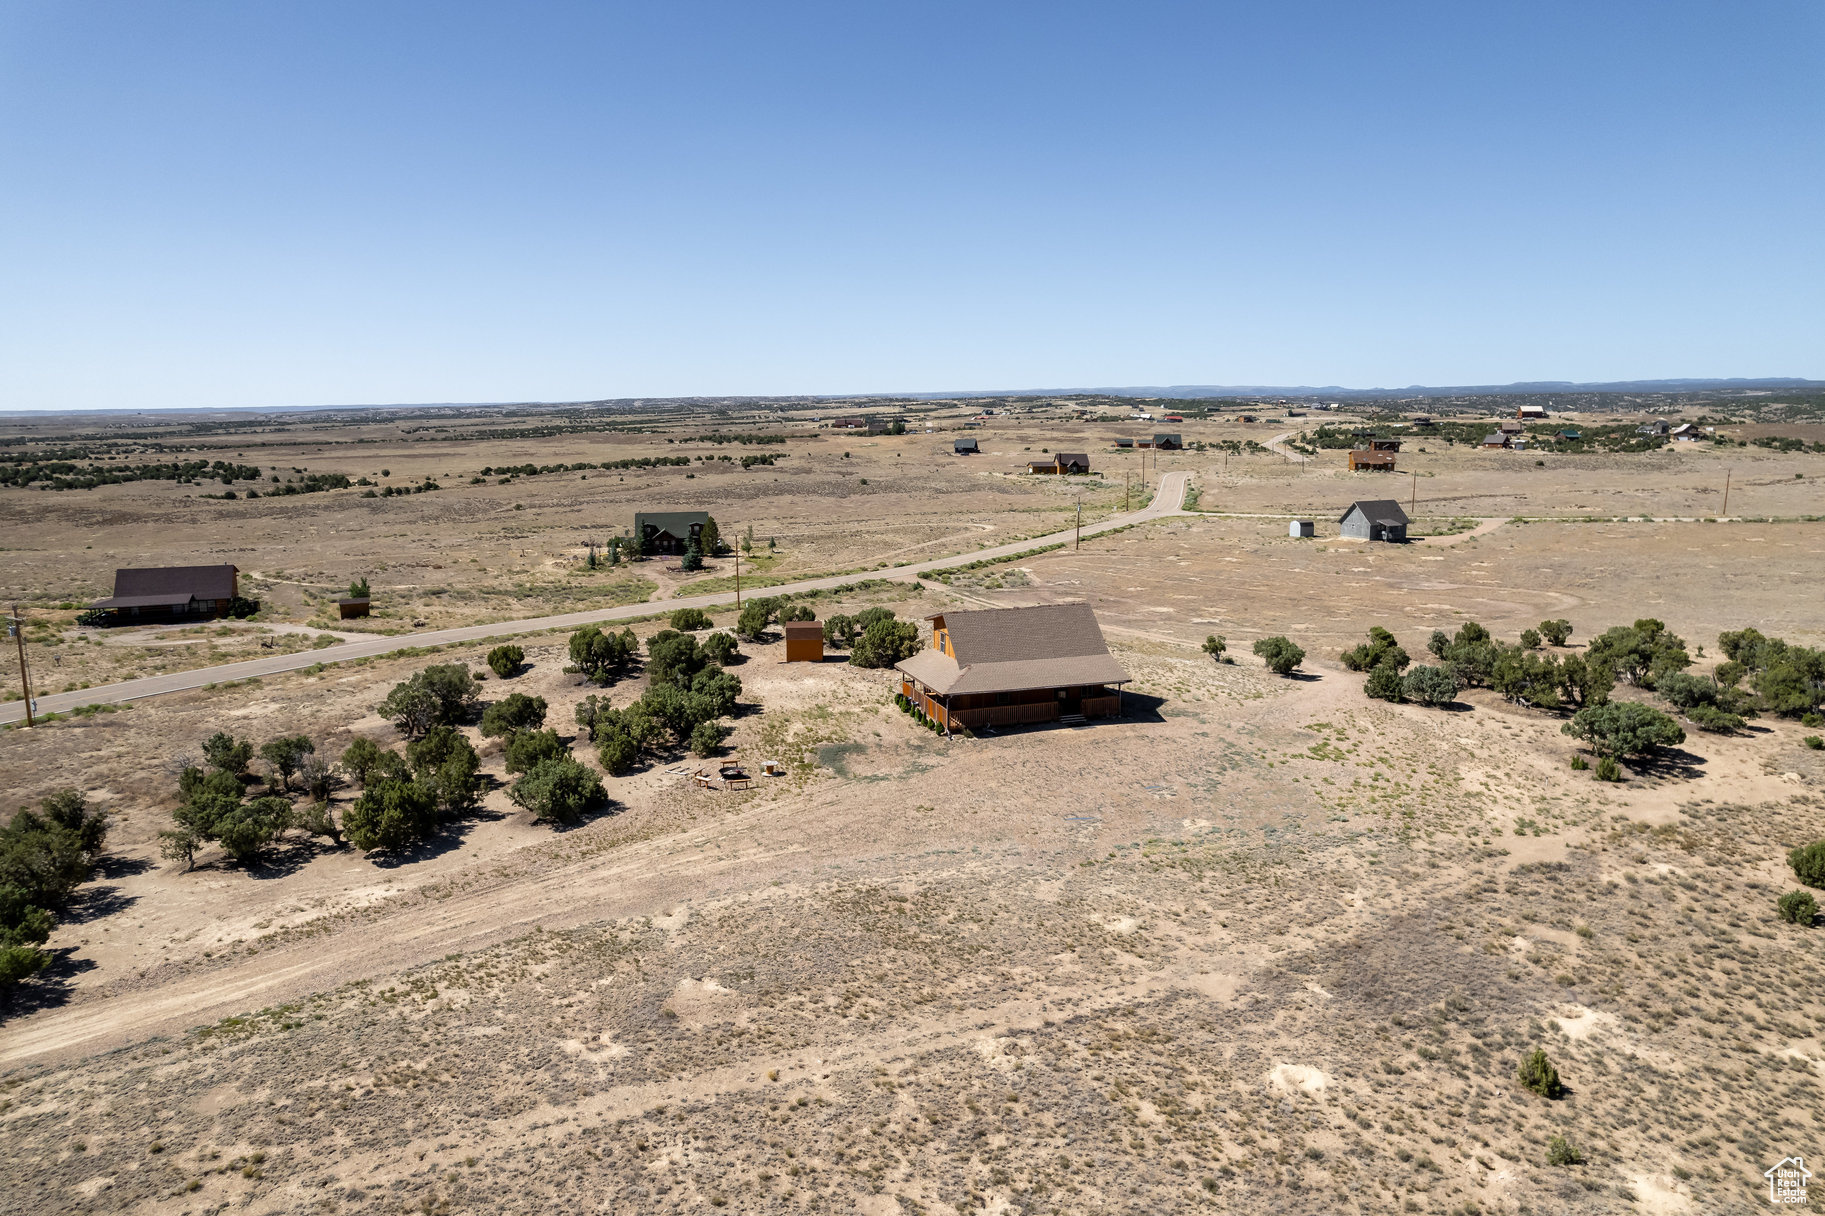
[25, 680]
[1078, 538]
[1726, 509]
[738, 574]
[1127, 478]
[1413, 497]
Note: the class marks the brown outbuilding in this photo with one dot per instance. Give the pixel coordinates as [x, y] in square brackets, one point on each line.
[804, 642]
[1014, 666]
[1382, 462]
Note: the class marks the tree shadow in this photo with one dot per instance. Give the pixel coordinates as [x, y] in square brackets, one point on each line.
[605, 809]
[49, 989]
[1304, 677]
[1669, 762]
[92, 902]
[113, 865]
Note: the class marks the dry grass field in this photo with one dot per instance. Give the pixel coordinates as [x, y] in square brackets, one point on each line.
[1261, 945]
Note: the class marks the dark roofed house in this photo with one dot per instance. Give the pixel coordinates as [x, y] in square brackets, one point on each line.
[1164, 441]
[164, 593]
[965, 447]
[1509, 426]
[1013, 666]
[1374, 519]
[1061, 462]
[669, 531]
[1122, 441]
[1496, 439]
[849, 424]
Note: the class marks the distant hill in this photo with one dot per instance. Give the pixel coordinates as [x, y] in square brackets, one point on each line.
[1412, 390]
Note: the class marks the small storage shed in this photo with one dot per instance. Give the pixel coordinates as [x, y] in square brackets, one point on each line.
[804, 642]
[352, 608]
[965, 447]
[1302, 528]
[1374, 519]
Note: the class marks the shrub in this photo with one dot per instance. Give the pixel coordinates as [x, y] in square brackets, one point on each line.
[603, 657]
[687, 620]
[445, 764]
[1215, 645]
[1379, 649]
[1711, 718]
[797, 612]
[1530, 639]
[839, 631]
[753, 621]
[1624, 728]
[443, 695]
[1808, 862]
[1560, 1151]
[44, 856]
[1384, 682]
[1797, 907]
[706, 739]
[223, 751]
[516, 712]
[557, 789]
[885, 642]
[1580, 764]
[673, 657]
[1814, 742]
[358, 589]
[527, 749]
[1538, 1074]
[317, 820]
[1429, 686]
[720, 648]
[1280, 655]
[360, 758]
[390, 814]
[1556, 632]
[1640, 653]
[503, 661]
[1608, 770]
[617, 753]
[286, 755]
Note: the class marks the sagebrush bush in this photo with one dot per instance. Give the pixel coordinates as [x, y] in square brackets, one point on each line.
[1797, 907]
[1538, 1074]
[1808, 862]
[1560, 1151]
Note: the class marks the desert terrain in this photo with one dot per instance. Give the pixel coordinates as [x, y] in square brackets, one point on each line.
[1260, 945]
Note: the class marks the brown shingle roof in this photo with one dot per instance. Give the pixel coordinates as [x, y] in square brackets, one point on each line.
[1010, 649]
[172, 584]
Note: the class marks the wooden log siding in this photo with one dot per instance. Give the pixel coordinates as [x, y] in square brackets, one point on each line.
[1020, 709]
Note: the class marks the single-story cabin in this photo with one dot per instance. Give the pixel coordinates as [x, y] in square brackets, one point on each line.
[1302, 529]
[1509, 426]
[849, 424]
[1248, 417]
[1570, 434]
[965, 447]
[804, 641]
[1164, 442]
[1496, 439]
[1530, 411]
[1422, 420]
[1374, 519]
[170, 593]
[1685, 430]
[1122, 441]
[1380, 462]
[1062, 463]
[669, 531]
[1173, 418]
[1014, 666]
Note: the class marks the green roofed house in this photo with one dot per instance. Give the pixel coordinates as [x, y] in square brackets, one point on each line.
[669, 531]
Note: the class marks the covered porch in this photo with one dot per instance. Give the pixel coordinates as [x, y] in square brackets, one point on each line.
[1024, 707]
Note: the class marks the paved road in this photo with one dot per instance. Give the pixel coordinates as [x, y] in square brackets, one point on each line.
[1166, 502]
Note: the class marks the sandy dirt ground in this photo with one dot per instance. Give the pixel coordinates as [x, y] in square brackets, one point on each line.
[1260, 945]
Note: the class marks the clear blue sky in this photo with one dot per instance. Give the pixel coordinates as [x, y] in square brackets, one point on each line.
[273, 204]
